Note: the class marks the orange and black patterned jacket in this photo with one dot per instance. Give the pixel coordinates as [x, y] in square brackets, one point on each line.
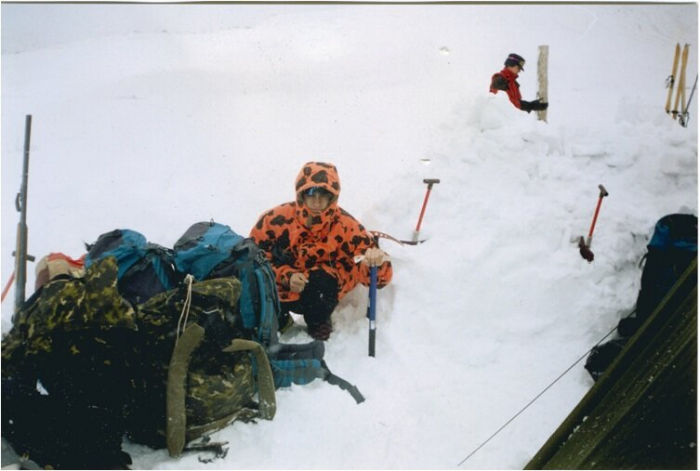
[297, 242]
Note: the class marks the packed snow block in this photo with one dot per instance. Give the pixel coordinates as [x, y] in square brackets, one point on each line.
[642, 413]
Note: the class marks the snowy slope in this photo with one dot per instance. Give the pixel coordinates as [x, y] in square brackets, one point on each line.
[154, 117]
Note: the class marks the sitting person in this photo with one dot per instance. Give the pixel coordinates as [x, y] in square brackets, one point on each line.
[505, 80]
[311, 244]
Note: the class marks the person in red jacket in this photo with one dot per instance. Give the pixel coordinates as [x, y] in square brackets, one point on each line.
[505, 80]
[312, 244]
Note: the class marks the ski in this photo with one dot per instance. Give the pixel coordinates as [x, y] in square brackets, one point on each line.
[542, 63]
[680, 93]
[670, 81]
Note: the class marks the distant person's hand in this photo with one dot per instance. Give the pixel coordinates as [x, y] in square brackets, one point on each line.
[538, 106]
[297, 282]
[534, 105]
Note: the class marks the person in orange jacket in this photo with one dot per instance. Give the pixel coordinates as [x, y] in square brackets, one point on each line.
[505, 80]
[312, 244]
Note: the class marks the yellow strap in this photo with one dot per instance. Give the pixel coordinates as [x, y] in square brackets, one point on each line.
[266, 383]
[176, 414]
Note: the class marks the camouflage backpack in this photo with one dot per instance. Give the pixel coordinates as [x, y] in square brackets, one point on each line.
[66, 368]
[67, 307]
[198, 363]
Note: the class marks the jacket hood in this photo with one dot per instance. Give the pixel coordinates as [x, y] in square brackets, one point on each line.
[324, 175]
[320, 174]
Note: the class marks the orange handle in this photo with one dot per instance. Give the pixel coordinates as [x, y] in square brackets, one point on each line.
[7, 286]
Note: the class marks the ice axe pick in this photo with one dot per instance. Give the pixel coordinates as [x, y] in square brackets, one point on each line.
[430, 182]
[585, 247]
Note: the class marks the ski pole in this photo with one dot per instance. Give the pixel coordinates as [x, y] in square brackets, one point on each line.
[430, 182]
[7, 286]
[372, 309]
[685, 116]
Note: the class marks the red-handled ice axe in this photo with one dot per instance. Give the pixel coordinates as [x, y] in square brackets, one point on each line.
[585, 247]
[430, 182]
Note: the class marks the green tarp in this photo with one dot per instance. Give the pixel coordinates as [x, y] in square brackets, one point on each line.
[642, 413]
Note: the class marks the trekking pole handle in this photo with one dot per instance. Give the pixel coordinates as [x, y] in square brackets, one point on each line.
[603, 191]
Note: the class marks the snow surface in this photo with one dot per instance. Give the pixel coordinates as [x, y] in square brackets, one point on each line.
[153, 117]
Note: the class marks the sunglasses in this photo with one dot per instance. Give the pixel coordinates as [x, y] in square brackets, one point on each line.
[317, 190]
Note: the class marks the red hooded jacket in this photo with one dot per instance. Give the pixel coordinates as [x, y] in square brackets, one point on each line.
[505, 80]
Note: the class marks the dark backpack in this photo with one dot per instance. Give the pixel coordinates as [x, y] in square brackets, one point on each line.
[145, 269]
[673, 246]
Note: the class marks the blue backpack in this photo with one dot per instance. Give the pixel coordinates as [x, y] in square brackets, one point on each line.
[673, 246]
[203, 247]
[145, 269]
[209, 250]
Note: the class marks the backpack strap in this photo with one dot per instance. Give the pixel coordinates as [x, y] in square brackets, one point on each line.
[266, 384]
[176, 414]
[176, 432]
[341, 383]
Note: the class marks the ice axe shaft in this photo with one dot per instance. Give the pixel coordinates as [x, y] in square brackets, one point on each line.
[603, 194]
[585, 247]
[430, 182]
[372, 310]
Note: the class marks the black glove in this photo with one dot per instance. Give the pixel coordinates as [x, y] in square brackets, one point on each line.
[537, 106]
[533, 105]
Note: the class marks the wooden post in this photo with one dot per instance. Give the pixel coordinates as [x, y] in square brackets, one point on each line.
[542, 64]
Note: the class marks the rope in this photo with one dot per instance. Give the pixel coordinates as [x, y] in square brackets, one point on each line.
[536, 397]
[185, 308]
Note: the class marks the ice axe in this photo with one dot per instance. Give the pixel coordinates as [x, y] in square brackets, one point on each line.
[585, 247]
[430, 182]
